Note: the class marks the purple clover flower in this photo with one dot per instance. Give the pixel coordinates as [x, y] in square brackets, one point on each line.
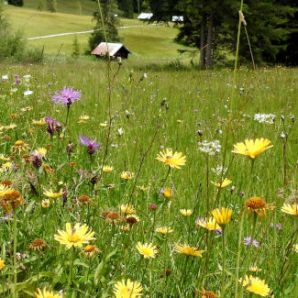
[248, 241]
[53, 125]
[91, 145]
[66, 96]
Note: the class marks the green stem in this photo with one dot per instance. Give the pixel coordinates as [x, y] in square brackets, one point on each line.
[239, 255]
[70, 277]
[15, 272]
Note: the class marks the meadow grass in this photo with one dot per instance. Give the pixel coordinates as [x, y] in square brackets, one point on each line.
[161, 109]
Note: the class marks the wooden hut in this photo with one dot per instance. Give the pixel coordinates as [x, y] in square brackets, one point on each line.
[114, 50]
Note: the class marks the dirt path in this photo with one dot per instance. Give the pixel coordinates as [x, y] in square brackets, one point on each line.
[79, 32]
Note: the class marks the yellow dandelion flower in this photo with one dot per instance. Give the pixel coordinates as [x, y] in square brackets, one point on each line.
[252, 148]
[44, 293]
[10, 198]
[226, 182]
[254, 268]
[4, 158]
[75, 236]
[53, 195]
[127, 289]
[39, 122]
[222, 215]
[147, 250]
[83, 119]
[172, 159]
[107, 169]
[291, 209]
[164, 230]
[41, 151]
[167, 192]
[295, 247]
[255, 285]
[103, 124]
[45, 203]
[2, 264]
[210, 224]
[186, 212]
[127, 209]
[126, 175]
[187, 250]
[6, 167]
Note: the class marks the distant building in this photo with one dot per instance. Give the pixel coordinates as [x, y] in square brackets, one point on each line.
[177, 19]
[113, 50]
[145, 16]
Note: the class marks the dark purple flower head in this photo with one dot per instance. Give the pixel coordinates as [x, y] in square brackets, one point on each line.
[17, 80]
[36, 160]
[91, 145]
[53, 125]
[66, 96]
[249, 241]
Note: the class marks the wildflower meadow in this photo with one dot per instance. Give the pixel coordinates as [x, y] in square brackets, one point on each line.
[121, 181]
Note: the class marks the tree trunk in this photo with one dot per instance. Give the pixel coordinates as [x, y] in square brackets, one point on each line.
[202, 45]
[209, 48]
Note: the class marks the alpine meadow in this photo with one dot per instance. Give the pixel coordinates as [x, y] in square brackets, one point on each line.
[172, 173]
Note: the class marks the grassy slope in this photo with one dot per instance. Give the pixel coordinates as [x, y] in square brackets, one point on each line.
[66, 6]
[146, 42]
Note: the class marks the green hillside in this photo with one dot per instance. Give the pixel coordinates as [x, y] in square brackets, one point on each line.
[147, 42]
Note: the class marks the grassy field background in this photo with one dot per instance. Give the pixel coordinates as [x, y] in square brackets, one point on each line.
[149, 43]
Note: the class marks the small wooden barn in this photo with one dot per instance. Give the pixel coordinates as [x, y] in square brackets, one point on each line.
[114, 50]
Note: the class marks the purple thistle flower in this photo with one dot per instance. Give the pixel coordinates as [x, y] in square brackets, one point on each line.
[66, 96]
[53, 125]
[91, 145]
[248, 241]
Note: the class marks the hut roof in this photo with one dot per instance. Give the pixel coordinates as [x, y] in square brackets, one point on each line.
[109, 48]
[145, 16]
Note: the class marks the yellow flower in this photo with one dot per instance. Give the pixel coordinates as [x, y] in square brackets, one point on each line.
[222, 215]
[164, 230]
[128, 289]
[188, 250]
[147, 250]
[53, 195]
[291, 209]
[252, 148]
[210, 224]
[254, 268]
[83, 119]
[126, 175]
[6, 167]
[90, 250]
[2, 264]
[107, 169]
[103, 124]
[208, 294]
[41, 151]
[10, 198]
[167, 192]
[295, 246]
[46, 294]
[45, 203]
[4, 158]
[186, 212]
[19, 146]
[256, 205]
[255, 285]
[172, 159]
[127, 209]
[75, 236]
[40, 122]
[226, 182]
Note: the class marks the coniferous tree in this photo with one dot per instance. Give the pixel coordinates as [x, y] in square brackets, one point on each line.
[16, 2]
[109, 10]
